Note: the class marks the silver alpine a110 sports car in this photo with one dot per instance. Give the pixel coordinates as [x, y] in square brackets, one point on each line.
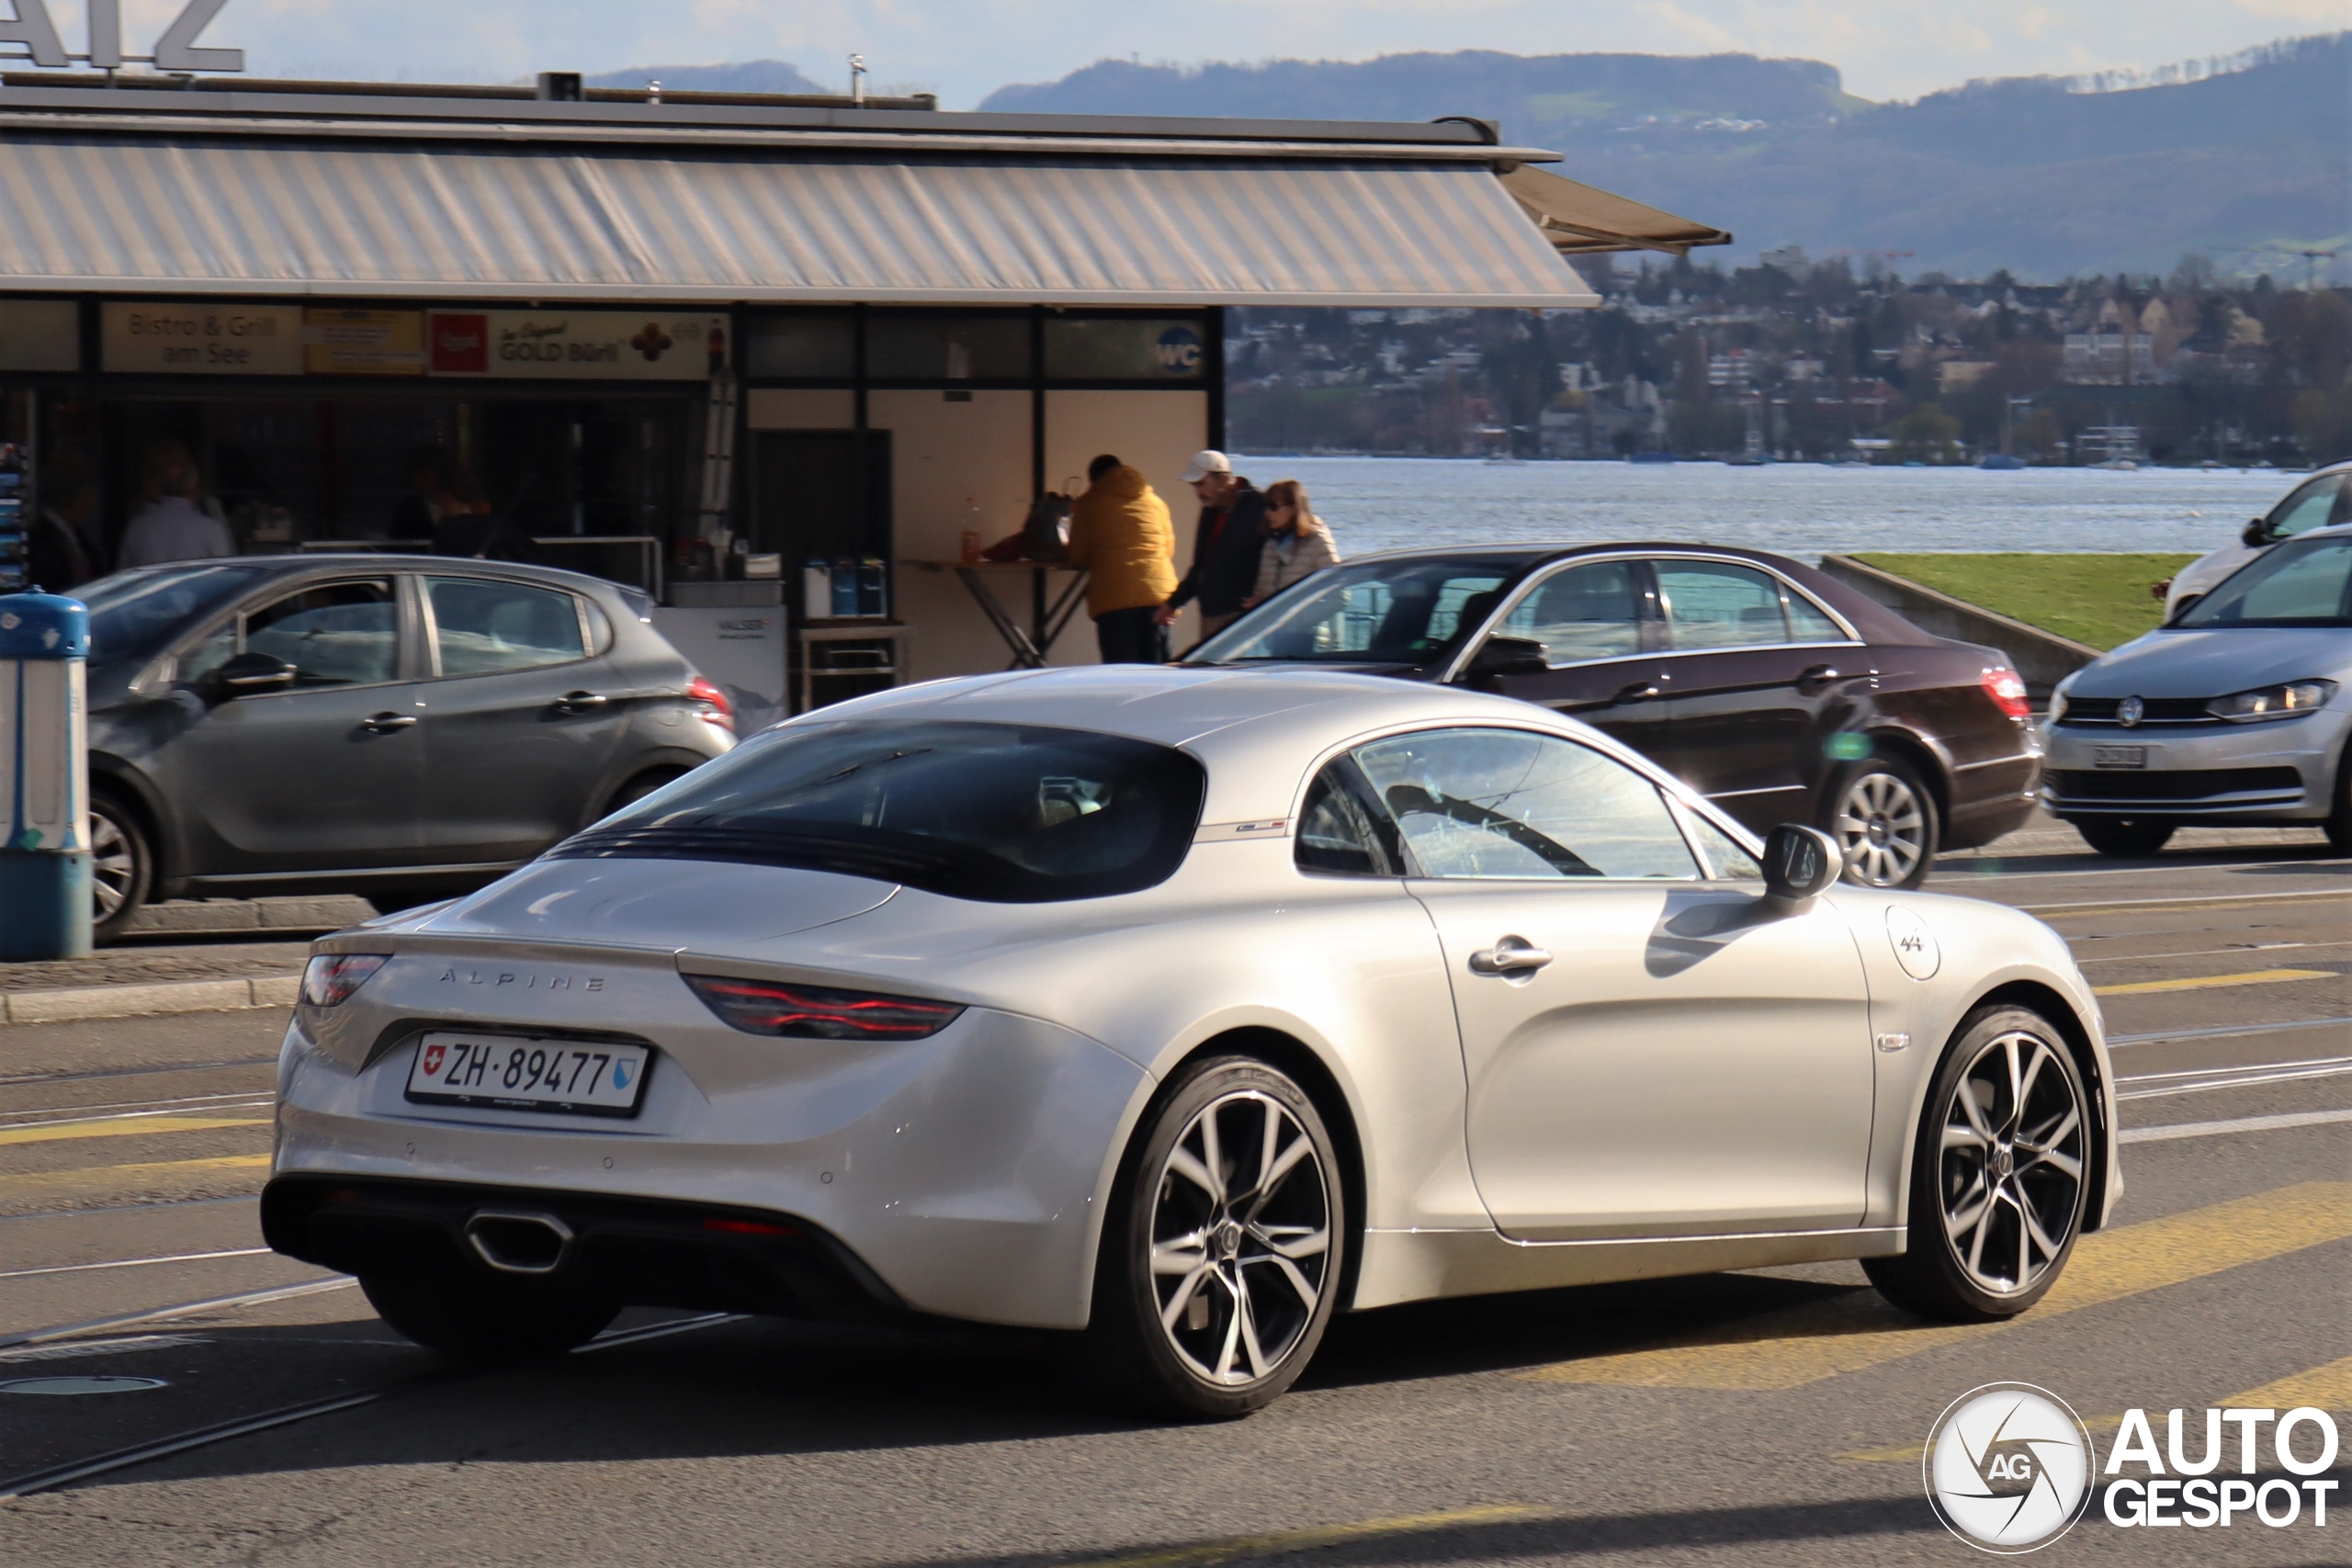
[1179, 1010]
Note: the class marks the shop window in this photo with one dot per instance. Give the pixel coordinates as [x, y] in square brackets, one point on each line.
[948, 348]
[799, 348]
[483, 628]
[1125, 348]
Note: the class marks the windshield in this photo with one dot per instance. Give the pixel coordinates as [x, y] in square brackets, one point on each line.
[996, 812]
[134, 614]
[1393, 611]
[2305, 583]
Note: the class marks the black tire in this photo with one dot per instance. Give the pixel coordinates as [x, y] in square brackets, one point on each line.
[122, 865]
[468, 1318]
[1883, 816]
[1226, 1336]
[2125, 835]
[640, 786]
[1953, 1271]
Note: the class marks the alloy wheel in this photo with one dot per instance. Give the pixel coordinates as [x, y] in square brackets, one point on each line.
[2013, 1155]
[114, 865]
[1241, 1238]
[1882, 823]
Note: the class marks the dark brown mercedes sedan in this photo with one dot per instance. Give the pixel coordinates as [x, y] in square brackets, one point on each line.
[1781, 693]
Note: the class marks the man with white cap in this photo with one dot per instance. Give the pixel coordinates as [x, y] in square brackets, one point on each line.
[1225, 544]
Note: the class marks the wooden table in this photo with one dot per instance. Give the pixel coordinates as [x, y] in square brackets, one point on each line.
[1050, 612]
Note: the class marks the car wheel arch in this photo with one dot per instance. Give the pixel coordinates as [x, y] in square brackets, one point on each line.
[2046, 1001]
[126, 784]
[1925, 755]
[1306, 1067]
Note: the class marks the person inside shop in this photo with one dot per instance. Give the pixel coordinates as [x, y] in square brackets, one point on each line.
[1298, 544]
[442, 505]
[1225, 543]
[59, 552]
[1120, 532]
[173, 524]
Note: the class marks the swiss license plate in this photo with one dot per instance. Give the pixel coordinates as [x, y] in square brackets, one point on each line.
[2118, 756]
[512, 1071]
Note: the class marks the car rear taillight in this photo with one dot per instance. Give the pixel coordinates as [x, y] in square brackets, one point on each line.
[329, 979]
[717, 711]
[2006, 688]
[818, 1012]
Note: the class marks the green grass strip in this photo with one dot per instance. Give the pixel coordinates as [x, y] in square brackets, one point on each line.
[2103, 601]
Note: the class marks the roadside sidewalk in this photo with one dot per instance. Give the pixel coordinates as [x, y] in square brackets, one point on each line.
[145, 976]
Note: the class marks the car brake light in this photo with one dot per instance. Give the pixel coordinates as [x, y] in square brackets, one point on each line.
[329, 978]
[717, 711]
[2006, 688]
[818, 1012]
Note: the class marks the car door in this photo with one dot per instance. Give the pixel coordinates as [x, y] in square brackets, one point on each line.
[1757, 670]
[1598, 625]
[522, 720]
[320, 773]
[1650, 1050]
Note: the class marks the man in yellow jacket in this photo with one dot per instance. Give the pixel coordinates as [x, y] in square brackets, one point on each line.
[1120, 532]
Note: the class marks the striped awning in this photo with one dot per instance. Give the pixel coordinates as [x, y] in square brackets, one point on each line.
[342, 216]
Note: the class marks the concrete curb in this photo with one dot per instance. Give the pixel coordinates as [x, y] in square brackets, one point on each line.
[144, 1001]
[2043, 658]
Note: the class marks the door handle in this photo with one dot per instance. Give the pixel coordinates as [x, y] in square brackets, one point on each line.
[1817, 677]
[1639, 692]
[385, 723]
[1509, 956]
[576, 702]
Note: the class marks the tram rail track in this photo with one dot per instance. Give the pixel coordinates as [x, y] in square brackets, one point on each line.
[49, 1478]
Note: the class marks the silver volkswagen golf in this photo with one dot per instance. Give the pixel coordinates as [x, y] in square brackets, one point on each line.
[1177, 1009]
[2238, 712]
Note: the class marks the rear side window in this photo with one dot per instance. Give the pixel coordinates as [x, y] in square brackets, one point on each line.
[998, 813]
[483, 627]
[1709, 604]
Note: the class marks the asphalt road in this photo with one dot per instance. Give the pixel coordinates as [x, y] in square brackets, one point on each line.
[1764, 1418]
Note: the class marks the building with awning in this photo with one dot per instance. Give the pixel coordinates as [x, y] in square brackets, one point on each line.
[678, 338]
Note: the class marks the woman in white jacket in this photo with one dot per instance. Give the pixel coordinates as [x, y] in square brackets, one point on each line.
[1298, 544]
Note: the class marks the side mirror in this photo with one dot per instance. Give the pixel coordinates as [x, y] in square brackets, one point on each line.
[250, 673]
[1800, 862]
[2253, 534]
[1507, 656]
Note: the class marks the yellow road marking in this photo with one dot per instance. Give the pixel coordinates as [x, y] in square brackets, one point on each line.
[123, 1127]
[1278, 1542]
[116, 1178]
[1803, 1345]
[2208, 982]
[2326, 1387]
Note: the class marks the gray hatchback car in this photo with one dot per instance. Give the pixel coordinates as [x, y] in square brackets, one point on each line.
[2236, 711]
[401, 727]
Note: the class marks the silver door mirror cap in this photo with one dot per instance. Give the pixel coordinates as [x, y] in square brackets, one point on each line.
[1800, 862]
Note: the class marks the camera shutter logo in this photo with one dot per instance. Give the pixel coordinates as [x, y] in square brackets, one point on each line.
[2009, 1468]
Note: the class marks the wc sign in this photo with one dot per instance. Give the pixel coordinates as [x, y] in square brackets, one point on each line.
[1180, 350]
[175, 50]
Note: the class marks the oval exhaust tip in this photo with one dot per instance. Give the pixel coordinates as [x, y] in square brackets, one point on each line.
[518, 1243]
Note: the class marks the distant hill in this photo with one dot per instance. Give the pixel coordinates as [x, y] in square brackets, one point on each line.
[2026, 173]
[747, 76]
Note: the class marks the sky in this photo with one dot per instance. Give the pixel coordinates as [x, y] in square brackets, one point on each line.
[964, 49]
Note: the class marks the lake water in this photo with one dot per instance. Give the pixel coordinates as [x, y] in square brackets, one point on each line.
[1804, 510]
